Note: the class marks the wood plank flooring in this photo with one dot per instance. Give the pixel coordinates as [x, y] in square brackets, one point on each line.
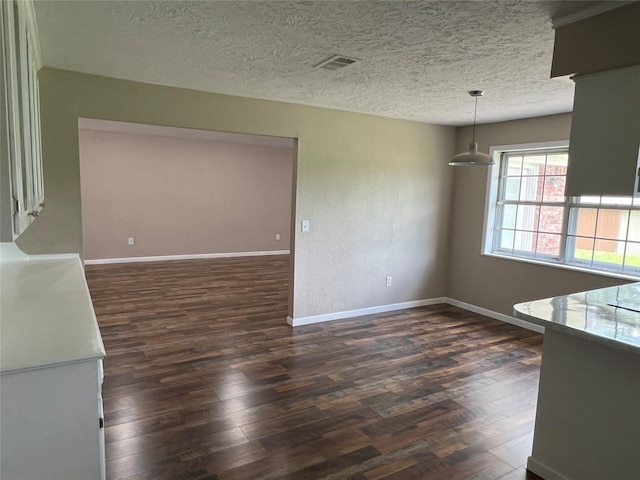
[205, 380]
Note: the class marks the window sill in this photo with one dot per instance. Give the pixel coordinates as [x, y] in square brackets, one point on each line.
[565, 266]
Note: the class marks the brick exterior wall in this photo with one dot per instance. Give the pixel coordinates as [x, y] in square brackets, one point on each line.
[550, 225]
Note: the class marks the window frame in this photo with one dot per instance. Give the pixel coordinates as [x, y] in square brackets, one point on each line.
[575, 203]
[491, 195]
[502, 202]
[491, 219]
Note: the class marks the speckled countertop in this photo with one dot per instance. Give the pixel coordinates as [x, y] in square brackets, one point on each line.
[46, 315]
[609, 316]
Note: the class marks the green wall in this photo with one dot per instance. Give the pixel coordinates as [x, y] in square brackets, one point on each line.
[376, 191]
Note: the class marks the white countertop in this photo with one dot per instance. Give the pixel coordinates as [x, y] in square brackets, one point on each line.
[590, 316]
[46, 315]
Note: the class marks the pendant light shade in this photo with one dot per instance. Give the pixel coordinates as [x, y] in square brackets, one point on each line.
[473, 157]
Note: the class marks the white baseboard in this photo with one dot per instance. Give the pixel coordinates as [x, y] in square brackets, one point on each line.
[497, 316]
[543, 471]
[161, 258]
[327, 317]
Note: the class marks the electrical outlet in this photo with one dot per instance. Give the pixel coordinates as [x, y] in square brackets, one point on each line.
[277, 236]
[131, 241]
[388, 281]
[305, 225]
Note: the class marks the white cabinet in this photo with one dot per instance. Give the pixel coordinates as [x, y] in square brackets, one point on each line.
[605, 134]
[22, 193]
[50, 370]
[50, 423]
[50, 346]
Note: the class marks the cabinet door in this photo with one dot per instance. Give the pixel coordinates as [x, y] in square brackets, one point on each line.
[605, 134]
[49, 418]
[20, 124]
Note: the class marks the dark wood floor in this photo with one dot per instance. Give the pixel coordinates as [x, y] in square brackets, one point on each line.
[205, 380]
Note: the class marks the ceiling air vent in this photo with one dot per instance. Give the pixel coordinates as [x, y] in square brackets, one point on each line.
[335, 62]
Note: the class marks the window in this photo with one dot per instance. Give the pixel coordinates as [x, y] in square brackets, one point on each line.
[604, 233]
[531, 202]
[530, 218]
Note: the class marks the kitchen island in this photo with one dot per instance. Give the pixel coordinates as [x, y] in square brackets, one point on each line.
[588, 413]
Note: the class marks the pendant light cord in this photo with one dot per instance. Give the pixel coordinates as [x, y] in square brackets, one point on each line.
[475, 111]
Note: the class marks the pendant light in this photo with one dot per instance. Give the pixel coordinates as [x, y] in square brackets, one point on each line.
[473, 157]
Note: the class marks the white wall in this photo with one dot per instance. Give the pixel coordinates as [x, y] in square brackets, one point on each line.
[182, 196]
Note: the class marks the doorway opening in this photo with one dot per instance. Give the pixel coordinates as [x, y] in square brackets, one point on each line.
[156, 193]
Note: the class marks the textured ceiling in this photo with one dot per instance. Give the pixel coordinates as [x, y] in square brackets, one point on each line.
[417, 58]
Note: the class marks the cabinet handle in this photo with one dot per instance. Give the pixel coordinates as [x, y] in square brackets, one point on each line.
[101, 422]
